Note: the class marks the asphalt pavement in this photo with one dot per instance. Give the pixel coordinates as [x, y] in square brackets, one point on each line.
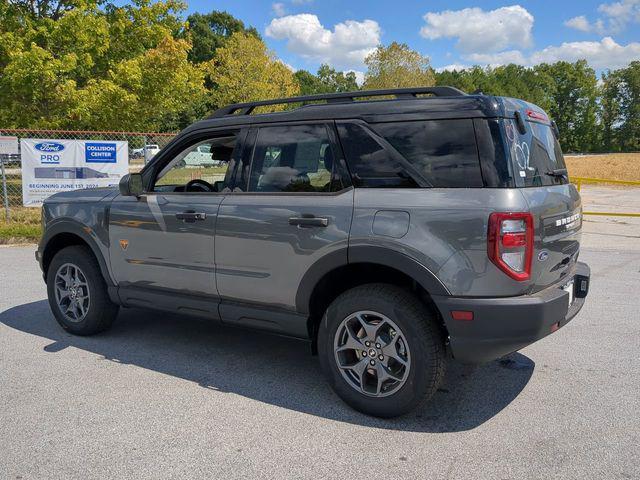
[162, 396]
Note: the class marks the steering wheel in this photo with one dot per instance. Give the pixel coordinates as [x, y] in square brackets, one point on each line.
[198, 185]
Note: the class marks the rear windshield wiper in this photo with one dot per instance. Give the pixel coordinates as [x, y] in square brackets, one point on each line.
[558, 172]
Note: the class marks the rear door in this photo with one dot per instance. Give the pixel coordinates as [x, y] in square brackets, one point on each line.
[553, 201]
[290, 207]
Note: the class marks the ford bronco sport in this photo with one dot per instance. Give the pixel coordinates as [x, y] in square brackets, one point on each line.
[392, 233]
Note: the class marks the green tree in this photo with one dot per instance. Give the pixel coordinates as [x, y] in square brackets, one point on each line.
[210, 31]
[629, 101]
[573, 103]
[158, 90]
[245, 70]
[53, 9]
[611, 113]
[397, 66]
[328, 80]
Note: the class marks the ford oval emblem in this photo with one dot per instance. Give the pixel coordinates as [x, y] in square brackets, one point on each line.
[49, 147]
[543, 255]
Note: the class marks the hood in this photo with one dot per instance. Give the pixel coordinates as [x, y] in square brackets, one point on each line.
[82, 195]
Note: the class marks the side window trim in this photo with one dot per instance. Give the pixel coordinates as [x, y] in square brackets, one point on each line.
[396, 156]
[340, 161]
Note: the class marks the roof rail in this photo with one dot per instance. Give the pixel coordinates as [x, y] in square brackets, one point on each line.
[345, 97]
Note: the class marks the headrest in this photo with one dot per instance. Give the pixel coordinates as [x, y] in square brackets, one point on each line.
[327, 158]
[221, 152]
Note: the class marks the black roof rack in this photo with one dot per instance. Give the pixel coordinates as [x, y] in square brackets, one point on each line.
[399, 93]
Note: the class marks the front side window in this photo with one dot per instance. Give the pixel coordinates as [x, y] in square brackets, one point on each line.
[201, 167]
[293, 158]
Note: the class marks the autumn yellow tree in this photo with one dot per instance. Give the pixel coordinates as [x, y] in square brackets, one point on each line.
[397, 66]
[245, 70]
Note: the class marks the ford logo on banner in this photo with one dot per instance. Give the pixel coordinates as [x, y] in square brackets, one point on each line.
[49, 147]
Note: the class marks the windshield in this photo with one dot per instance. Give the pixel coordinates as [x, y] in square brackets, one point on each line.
[534, 154]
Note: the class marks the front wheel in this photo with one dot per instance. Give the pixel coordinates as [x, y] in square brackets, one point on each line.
[381, 350]
[77, 292]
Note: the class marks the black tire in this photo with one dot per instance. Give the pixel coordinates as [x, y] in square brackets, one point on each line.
[100, 311]
[424, 338]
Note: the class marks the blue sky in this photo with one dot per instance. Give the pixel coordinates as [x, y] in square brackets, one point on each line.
[306, 33]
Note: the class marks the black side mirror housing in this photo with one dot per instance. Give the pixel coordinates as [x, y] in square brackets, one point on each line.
[131, 185]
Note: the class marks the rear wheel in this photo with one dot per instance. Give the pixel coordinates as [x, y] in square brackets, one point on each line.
[78, 293]
[381, 349]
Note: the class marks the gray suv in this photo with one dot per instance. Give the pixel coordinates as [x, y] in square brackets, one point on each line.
[392, 229]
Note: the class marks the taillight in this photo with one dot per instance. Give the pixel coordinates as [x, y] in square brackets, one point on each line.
[510, 243]
[533, 115]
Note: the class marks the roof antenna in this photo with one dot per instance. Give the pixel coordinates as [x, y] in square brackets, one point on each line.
[478, 92]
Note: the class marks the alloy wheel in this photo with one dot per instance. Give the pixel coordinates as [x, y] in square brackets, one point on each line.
[372, 353]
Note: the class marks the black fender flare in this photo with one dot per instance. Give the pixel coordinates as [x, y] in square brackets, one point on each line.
[84, 232]
[366, 254]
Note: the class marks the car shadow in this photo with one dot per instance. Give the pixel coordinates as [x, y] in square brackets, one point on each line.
[272, 369]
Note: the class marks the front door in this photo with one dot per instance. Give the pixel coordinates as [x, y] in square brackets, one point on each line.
[293, 210]
[162, 244]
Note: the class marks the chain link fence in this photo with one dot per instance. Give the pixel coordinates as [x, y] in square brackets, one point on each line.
[142, 147]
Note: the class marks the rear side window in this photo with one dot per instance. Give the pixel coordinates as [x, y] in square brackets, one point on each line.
[297, 158]
[444, 151]
[370, 164]
[534, 154]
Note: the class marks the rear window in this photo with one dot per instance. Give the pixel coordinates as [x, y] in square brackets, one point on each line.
[534, 154]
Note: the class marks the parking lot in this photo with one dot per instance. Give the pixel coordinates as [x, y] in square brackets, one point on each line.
[162, 396]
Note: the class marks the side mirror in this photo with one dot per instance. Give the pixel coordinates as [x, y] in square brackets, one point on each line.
[131, 185]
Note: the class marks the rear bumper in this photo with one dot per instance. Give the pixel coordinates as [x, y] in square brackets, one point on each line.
[504, 325]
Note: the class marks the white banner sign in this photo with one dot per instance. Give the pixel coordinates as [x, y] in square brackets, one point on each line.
[52, 166]
[9, 146]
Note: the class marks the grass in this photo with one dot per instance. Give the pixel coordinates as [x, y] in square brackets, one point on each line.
[614, 166]
[23, 227]
[180, 176]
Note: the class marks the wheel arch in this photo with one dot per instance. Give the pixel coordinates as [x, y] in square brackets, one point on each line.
[330, 276]
[64, 234]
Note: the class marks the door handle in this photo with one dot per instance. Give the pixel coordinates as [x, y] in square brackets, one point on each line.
[309, 221]
[190, 216]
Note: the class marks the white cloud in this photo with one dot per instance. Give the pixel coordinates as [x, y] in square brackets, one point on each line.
[278, 9]
[579, 23]
[481, 31]
[347, 45]
[495, 59]
[615, 18]
[619, 14]
[603, 54]
[452, 67]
